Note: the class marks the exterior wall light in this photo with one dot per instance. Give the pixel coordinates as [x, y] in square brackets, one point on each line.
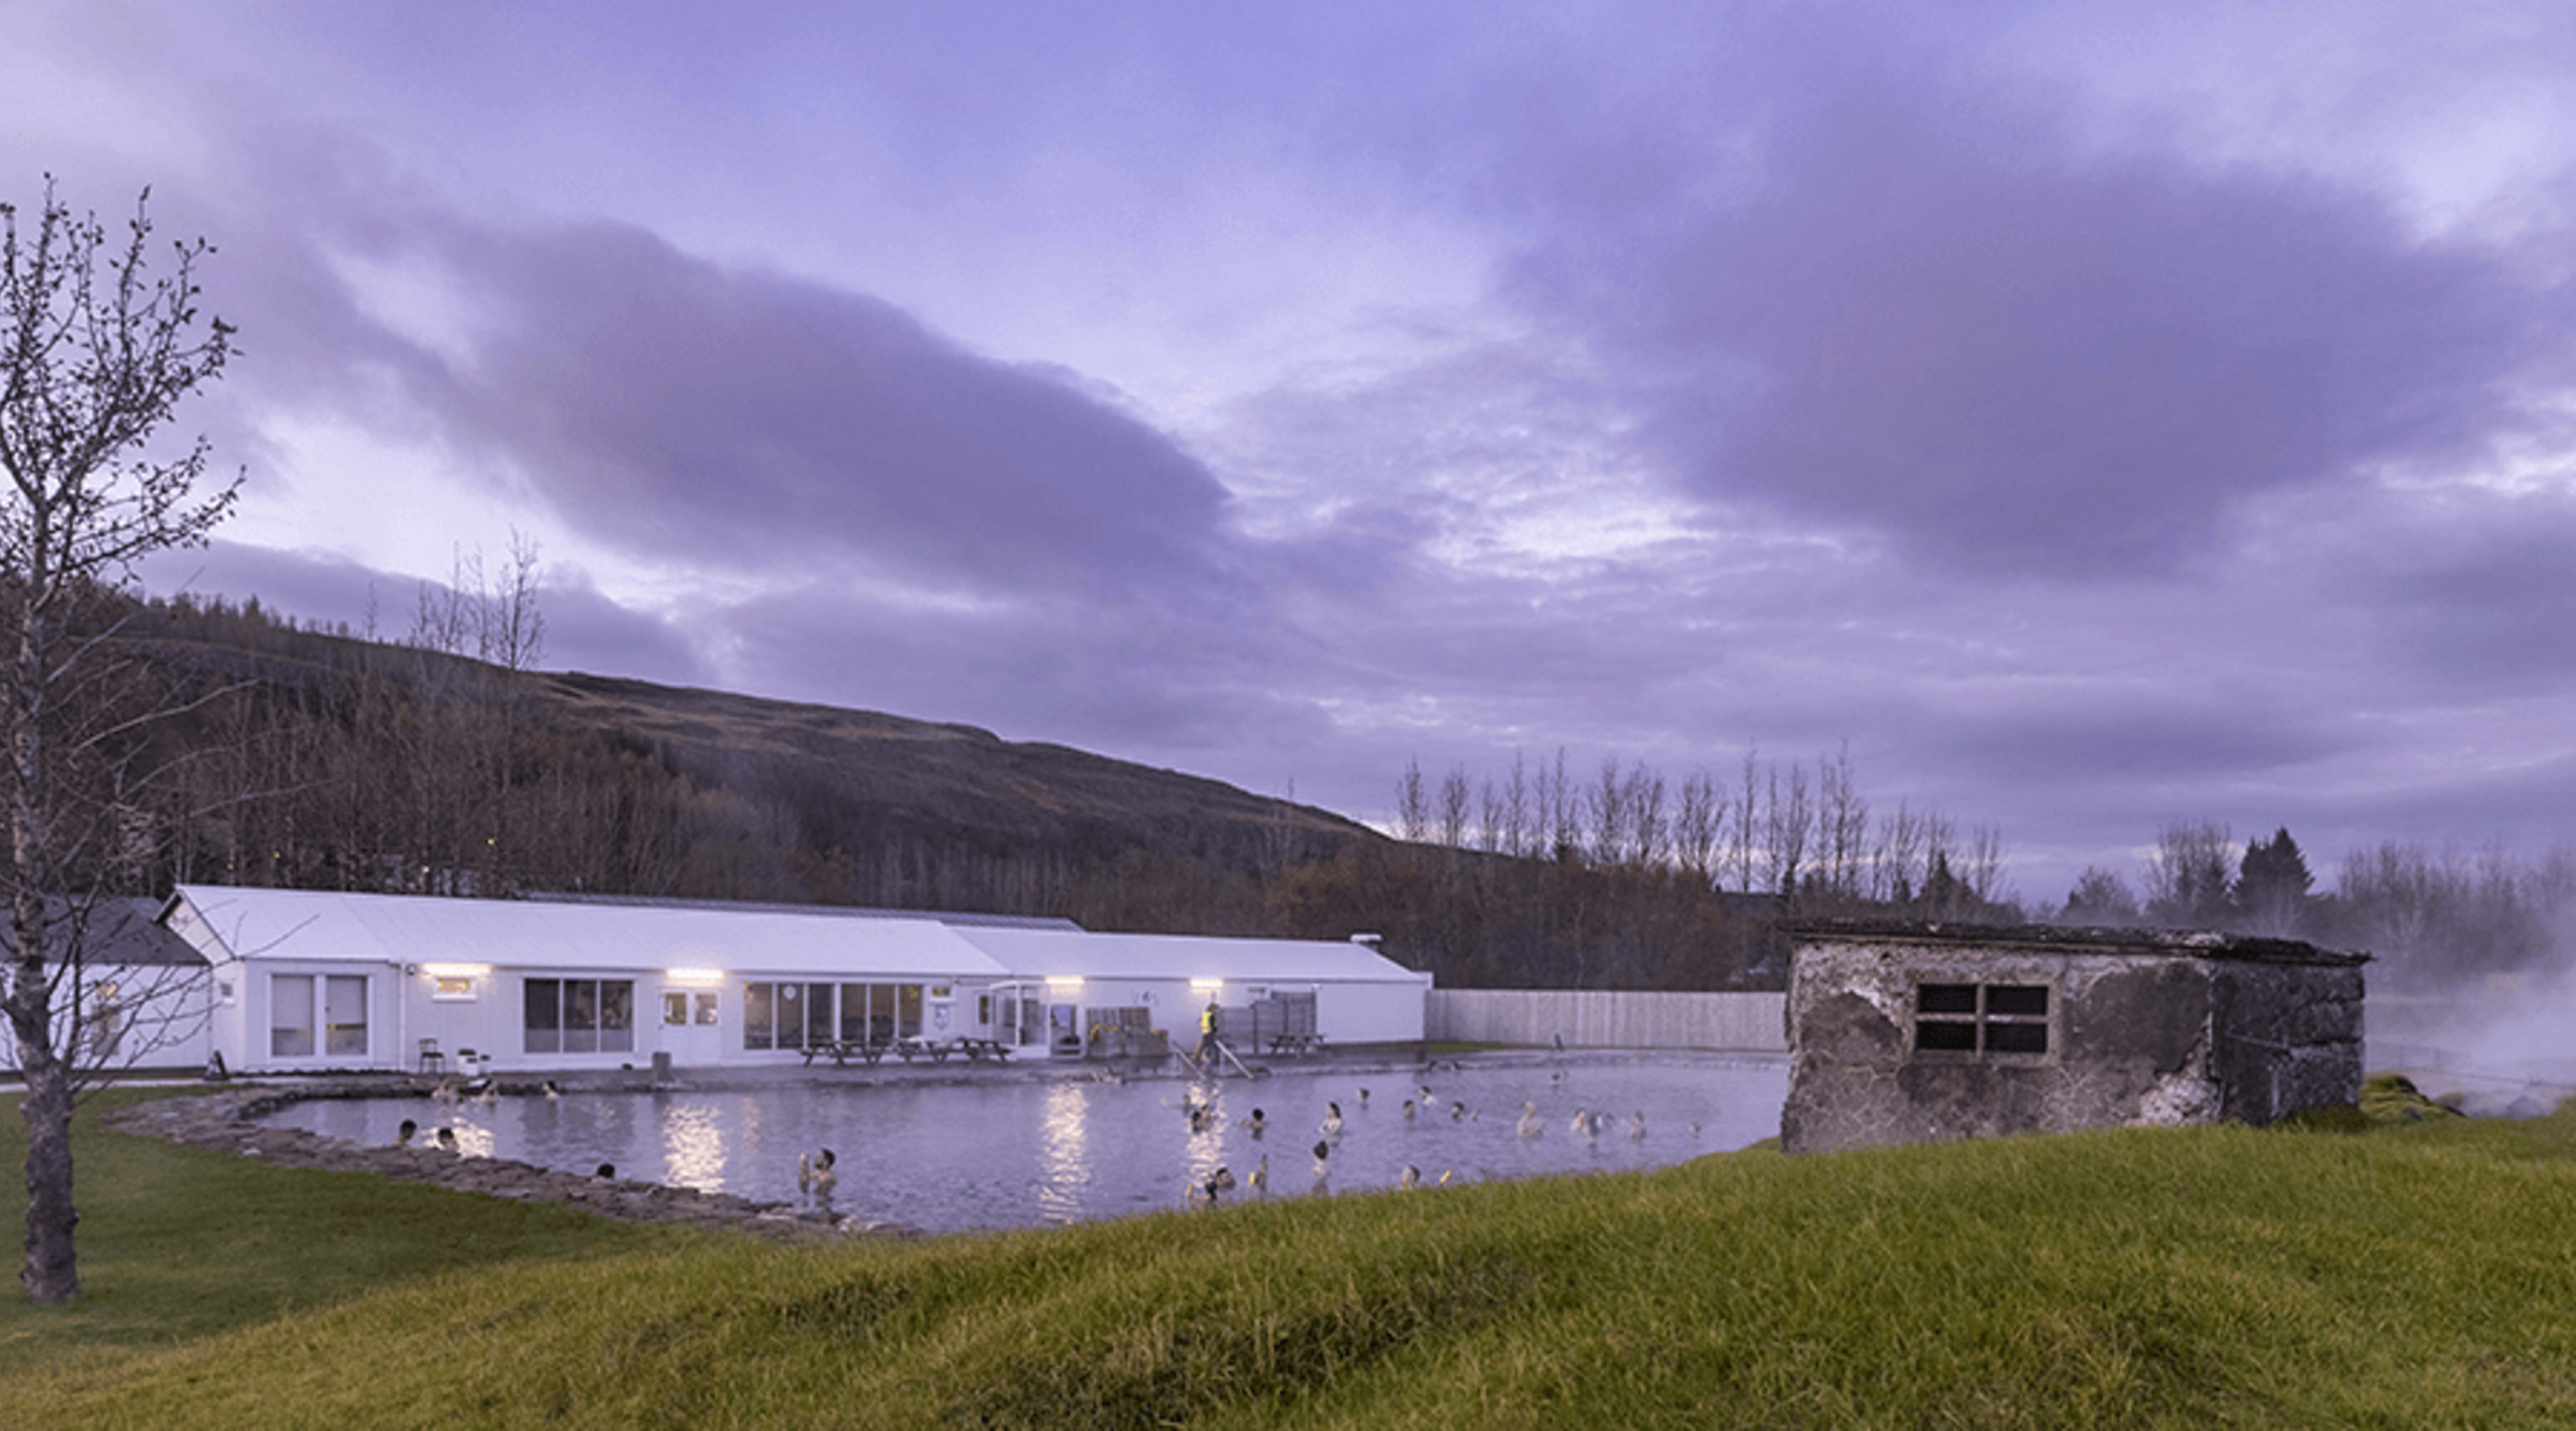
[456, 971]
[1064, 983]
[1206, 986]
[693, 976]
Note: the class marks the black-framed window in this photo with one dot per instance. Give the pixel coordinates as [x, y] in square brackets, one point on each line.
[1980, 1019]
[578, 1015]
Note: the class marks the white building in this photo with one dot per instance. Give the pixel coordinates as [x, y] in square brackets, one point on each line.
[306, 980]
[136, 1000]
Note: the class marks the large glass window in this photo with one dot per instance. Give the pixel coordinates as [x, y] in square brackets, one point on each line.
[544, 1021]
[344, 1015]
[580, 1016]
[791, 1016]
[797, 1015]
[290, 1015]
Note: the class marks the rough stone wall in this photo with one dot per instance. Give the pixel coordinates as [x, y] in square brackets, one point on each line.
[2290, 1037]
[2130, 1042]
[2135, 1038]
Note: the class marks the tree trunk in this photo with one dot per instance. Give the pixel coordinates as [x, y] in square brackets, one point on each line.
[51, 1272]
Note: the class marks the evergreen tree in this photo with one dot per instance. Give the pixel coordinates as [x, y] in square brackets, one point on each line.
[2272, 887]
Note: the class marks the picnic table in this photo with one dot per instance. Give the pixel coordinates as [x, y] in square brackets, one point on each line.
[976, 1050]
[841, 1051]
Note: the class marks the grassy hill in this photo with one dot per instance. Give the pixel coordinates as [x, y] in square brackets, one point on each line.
[2412, 1275]
[378, 765]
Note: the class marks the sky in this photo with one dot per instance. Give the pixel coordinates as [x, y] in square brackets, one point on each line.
[2088, 417]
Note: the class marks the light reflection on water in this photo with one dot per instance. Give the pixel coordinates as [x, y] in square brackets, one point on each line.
[1063, 1173]
[1028, 1150]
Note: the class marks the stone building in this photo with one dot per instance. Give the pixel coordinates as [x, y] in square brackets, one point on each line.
[1915, 1033]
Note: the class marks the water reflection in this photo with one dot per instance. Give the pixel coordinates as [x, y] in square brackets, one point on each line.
[1064, 1166]
[693, 1148]
[1030, 1149]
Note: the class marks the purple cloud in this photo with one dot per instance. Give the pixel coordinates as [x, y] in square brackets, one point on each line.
[1937, 319]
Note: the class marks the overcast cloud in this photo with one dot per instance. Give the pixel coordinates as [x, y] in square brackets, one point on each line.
[2093, 416]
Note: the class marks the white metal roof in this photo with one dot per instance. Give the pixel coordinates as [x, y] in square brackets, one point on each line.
[272, 924]
[1038, 953]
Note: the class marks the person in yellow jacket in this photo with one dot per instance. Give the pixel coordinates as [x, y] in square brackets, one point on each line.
[1207, 1032]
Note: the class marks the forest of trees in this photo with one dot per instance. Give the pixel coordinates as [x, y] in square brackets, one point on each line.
[2432, 917]
[1622, 876]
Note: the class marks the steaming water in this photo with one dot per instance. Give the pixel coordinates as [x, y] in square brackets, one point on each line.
[1023, 1151]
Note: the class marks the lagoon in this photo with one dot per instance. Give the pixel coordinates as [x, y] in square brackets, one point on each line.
[1041, 1147]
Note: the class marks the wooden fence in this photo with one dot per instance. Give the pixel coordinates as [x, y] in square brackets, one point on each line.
[1735, 1023]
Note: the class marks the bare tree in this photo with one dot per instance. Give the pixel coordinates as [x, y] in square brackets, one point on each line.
[1842, 826]
[1984, 866]
[1561, 809]
[1896, 856]
[1606, 807]
[514, 623]
[2189, 873]
[1454, 805]
[1516, 811]
[1412, 805]
[1650, 832]
[1698, 827]
[1747, 795]
[95, 353]
[1788, 821]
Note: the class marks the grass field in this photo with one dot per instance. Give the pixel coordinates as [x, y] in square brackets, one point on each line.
[2405, 1276]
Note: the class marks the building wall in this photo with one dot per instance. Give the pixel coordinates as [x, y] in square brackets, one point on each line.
[161, 1019]
[1594, 1018]
[2290, 1038]
[1368, 1013]
[2133, 1039]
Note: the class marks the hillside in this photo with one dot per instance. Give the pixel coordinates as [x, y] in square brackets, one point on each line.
[321, 761]
[374, 764]
[860, 778]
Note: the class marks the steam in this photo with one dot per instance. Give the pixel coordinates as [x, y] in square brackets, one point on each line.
[2504, 1042]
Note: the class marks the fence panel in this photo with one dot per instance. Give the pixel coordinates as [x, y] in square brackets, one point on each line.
[1594, 1018]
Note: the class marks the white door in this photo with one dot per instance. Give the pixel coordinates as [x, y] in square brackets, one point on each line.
[693, 1026]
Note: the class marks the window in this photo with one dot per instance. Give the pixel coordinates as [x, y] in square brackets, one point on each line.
[451, 987]
[706, 1011]
[344, 1014]
[291, 1010]
[793, 1016]
[290, 1015]
[675, 1010]
[580, 1016]
[1981, 1018]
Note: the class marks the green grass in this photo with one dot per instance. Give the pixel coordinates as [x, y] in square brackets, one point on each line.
[2400, 1276]
[177, 1243]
